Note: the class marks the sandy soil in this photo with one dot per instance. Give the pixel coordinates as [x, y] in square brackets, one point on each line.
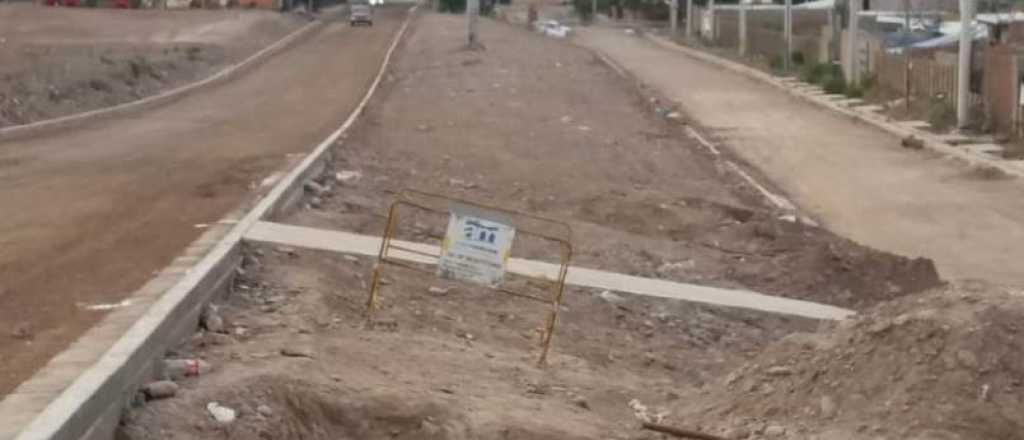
[855, 179]
[538, 125]
[941, 365]
[59, 61]
[91, 213]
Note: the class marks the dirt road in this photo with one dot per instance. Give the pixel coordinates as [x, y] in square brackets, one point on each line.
[855, 179]
[89, 214]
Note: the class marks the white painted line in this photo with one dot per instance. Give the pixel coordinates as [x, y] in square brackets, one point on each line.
[775, 199]
[346, 242]
[778, 201]
[615, 66]
[711, 147]
[100, 307]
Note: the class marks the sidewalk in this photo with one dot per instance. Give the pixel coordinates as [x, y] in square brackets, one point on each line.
[854, 178]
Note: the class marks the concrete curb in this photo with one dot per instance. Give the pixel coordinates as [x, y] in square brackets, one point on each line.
[70, 121]
[92, 405]
[778, 201]
[930, 141]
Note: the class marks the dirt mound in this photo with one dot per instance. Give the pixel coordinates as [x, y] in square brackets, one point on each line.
[282, 407]
[944, 365]
[63, 80]
[815, 264]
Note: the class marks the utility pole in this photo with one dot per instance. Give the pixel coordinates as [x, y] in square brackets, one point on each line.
[835, 23]
[852, 27]
[743, 30]
[711, 14]
[964, 63]
[674, 17]
[472, 16]
[906, 53]
[787, 29]
[689, 19]
[593, 11]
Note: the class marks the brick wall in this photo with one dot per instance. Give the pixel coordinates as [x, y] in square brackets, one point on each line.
[1000, 88]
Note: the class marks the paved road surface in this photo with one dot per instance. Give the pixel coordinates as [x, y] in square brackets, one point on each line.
[856, 179]
[89, 214]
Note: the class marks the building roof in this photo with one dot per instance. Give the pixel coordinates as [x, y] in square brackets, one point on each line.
[1000, 17]
[951, 39]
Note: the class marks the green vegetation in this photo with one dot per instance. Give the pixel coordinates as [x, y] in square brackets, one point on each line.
[459, 6]
[941, 114]
[819, 73]
[830, 77]
[835, 85]
[797, 58]
[647, 9]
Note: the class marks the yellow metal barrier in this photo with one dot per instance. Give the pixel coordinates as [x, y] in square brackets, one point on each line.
[525, 225]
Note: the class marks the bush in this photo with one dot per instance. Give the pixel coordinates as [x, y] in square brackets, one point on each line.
[459, 6]
[835, 85]
[776, 63]
[797, 58]
[452, 6]
[583, 8]
[816, 73]
[854, 91]
[941, 114]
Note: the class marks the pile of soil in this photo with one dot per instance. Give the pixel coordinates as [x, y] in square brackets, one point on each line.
[64, 80]
[60, 61]
[284, 407]
[815, 264]
[943, 365]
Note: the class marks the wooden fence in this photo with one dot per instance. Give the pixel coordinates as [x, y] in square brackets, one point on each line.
[928, 78]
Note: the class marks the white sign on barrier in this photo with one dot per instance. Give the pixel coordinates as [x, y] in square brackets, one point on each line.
[476, 246]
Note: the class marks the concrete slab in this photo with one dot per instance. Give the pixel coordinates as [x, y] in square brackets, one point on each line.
[993, 150]
[350, 243]
[869, 108]
[852, 102]
[919, 125]
[958, 139]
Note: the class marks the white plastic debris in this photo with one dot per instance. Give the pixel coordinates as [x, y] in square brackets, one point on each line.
[221, 413]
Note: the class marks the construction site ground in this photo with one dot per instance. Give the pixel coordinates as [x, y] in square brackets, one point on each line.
[537, 125]
[91, 213]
